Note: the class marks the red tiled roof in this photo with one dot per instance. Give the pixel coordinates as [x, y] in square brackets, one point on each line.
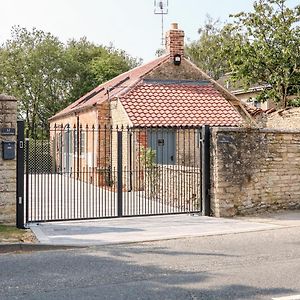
[158, 104]
[115, 86]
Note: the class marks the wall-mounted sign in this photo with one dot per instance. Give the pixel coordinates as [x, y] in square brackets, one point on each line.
[225, 139]
[7, 131]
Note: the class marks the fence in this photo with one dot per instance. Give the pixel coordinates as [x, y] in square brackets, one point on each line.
[82, 172]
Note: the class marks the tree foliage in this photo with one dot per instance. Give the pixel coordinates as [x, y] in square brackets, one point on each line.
[47, 75]
[207, 51]
[259, 47]
[269, 49]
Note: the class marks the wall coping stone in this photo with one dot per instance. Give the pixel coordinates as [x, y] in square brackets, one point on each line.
[260, 130]
[4, 97]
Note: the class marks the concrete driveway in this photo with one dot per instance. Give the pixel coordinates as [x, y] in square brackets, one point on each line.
[140, 229]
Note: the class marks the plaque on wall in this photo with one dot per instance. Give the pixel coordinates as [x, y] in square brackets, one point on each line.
[7, 131]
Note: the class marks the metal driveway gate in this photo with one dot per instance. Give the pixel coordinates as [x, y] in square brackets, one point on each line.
[72, 172]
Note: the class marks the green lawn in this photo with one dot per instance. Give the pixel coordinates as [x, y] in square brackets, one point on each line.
[10, 233]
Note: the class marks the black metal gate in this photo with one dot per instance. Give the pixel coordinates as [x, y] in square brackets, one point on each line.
[71, 172]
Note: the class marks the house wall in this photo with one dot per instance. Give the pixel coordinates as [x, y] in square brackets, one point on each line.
[8, 118]
[285, 119]
[249, 98]
[254, 171]
[120, 120]
[88, 159]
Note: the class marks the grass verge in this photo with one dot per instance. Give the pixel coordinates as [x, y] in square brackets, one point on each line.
[11, 234]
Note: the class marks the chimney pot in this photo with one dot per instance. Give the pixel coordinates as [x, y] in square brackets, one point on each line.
[174, 26]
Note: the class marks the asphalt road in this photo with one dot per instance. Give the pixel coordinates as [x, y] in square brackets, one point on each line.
[257, 265]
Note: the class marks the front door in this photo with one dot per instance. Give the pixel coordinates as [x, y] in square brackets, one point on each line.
[162, 141]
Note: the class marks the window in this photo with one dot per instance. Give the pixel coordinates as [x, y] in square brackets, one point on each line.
[82, 142]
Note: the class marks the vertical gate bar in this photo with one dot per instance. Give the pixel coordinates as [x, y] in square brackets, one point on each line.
[120, 165]
[101, 175]
[93, 172]
[195, 190]
[106, 173]
[27, 178]
[20, 176]
[206, 171]
[42, 215]
[60, 216]
[188, 168]
[87, 194]
[48, 169]
[75, 195]
[177, 169]
[36, 178]
[53, 206]
[68, 154]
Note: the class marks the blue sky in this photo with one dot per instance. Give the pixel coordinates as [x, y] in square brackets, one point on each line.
[130, 25]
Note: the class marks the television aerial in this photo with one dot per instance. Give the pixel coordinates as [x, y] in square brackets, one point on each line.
[161, 8]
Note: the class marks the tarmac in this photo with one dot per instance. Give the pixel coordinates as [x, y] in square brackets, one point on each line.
[70, 234]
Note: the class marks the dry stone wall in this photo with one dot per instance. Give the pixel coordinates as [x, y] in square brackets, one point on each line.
[8, 119]
[254, 171]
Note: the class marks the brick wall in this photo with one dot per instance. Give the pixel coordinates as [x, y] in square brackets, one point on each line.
[254, 171]
[8, 118]
[175, 41]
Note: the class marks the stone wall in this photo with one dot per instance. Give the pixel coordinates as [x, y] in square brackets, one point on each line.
[287, 119]
[8, 119]
[175, 186]
[254, 171]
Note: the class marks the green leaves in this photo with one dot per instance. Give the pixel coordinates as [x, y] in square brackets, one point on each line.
[260, 47]
[47, 75]
[271, 51]
[207, 51]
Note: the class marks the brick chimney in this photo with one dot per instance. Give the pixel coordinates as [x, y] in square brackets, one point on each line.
[175, 41]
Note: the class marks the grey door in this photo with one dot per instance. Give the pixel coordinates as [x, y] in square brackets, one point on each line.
[162, 141]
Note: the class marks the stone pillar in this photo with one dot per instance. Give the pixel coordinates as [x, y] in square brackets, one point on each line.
[8, 129]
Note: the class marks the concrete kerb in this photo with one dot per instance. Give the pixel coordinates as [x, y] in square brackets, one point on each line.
[29, 247]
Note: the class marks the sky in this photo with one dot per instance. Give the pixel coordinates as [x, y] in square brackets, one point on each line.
[129, 25]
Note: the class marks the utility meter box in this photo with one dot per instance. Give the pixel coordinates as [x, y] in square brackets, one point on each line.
[8, 150]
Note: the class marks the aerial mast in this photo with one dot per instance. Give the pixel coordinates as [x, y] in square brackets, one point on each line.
[161, 8]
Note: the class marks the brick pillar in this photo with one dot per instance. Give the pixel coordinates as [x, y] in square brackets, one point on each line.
[8, 120]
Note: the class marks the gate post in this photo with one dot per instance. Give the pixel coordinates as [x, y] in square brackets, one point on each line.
[8, 124]
[205, 171]
[120, 172]
[20, 175]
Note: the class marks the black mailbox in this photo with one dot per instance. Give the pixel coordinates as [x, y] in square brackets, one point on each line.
[8, 150]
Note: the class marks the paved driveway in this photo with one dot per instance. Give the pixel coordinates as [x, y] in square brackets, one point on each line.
[123, 230]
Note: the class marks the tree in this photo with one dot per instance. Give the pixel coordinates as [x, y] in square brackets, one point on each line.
[207, 52]
[268, 50]
[31, 66]
[47, 75]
